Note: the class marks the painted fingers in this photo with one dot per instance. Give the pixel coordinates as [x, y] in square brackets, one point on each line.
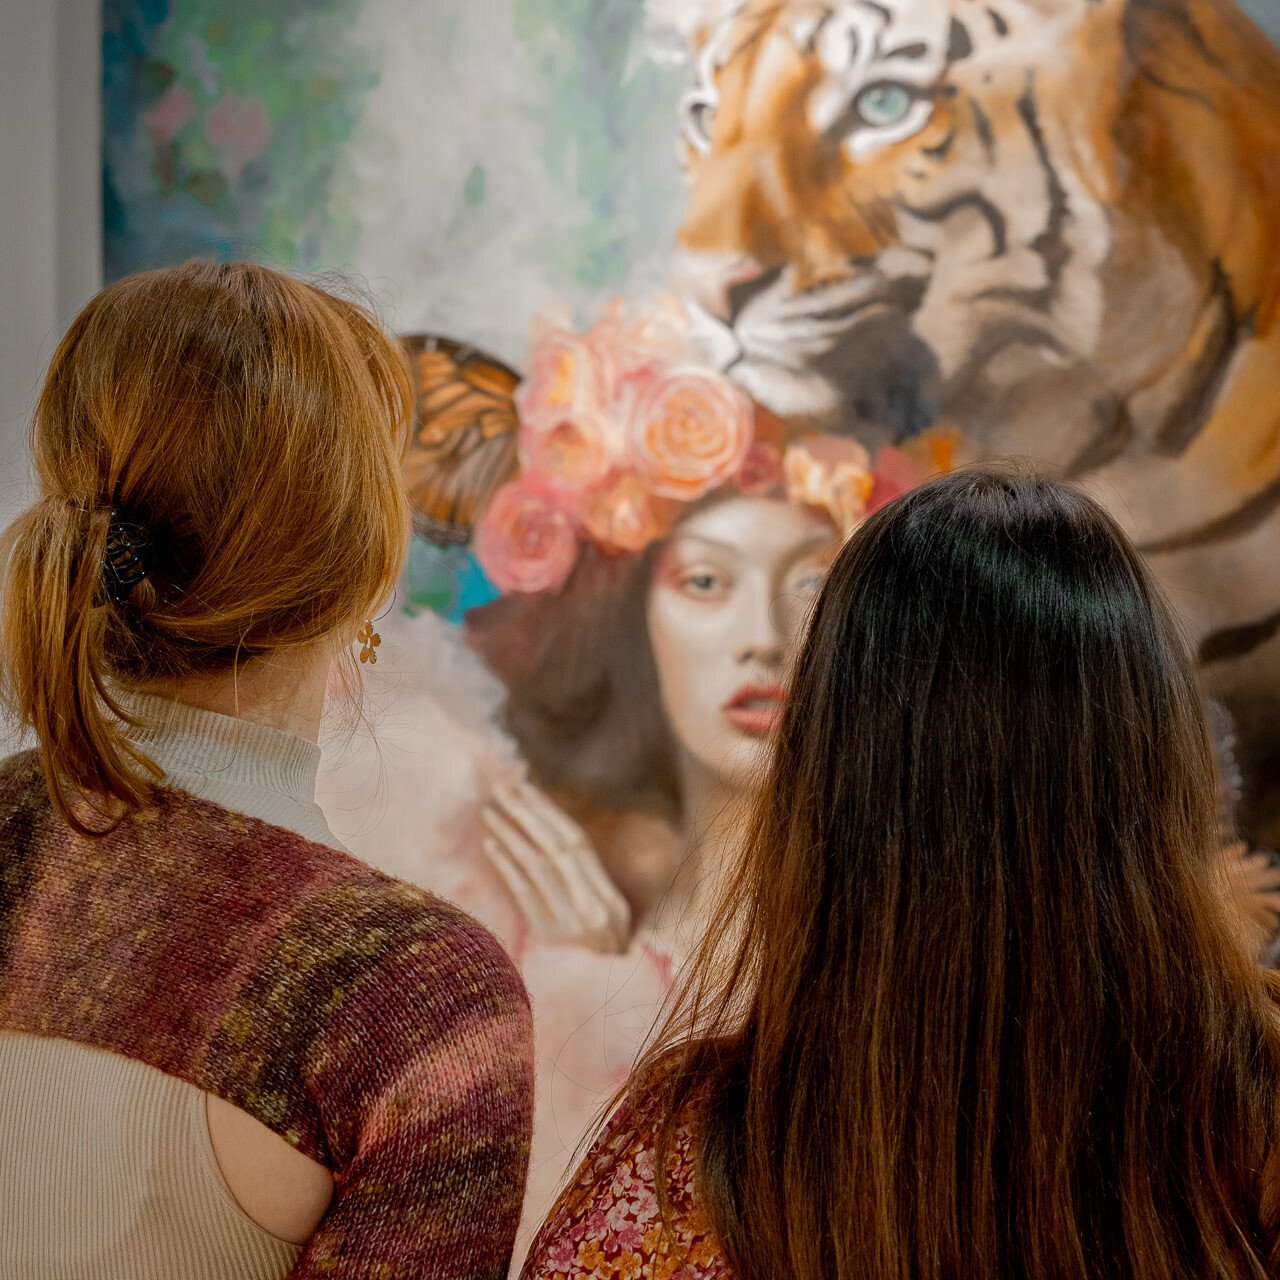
[553, 872]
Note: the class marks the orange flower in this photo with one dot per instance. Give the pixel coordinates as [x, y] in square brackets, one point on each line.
[626, 515]
[627, 1266]
[831, 472]
[689, 430]
[702, 1253]
[590, 1256]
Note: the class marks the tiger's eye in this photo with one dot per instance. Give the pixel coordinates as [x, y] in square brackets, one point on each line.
[700, 115]
[882, 105]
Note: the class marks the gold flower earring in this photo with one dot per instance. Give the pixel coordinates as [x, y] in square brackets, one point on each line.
[370, 640]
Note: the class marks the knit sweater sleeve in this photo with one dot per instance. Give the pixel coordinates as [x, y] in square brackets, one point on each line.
[376, 1028]
[429, 1135]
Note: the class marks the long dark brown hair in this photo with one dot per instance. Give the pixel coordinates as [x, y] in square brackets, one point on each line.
[583, 699]
[978, 1009]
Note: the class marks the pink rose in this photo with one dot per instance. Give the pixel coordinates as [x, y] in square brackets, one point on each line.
[761, 470]
[688, 431]
[525, 541]
[895, 473]
[566, 434]
[626, 516]
[658, 333]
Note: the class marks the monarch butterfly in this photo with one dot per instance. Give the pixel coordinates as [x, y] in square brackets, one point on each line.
[465, 428]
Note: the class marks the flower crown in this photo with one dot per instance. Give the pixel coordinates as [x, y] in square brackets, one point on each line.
[620, 431]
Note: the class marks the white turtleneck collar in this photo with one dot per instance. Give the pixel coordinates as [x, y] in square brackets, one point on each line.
[251, 768]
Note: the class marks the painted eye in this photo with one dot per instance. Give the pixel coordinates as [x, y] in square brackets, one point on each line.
[702, 584]
[884, 104]
[700, 121]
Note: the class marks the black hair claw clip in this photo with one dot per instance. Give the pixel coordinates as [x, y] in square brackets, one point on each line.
[124, 565]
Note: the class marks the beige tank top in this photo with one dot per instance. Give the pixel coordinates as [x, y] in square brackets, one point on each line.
[107, 1171]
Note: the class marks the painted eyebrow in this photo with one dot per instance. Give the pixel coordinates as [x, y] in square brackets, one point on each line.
[810, 544]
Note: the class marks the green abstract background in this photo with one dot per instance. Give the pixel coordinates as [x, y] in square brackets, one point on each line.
[473, 162]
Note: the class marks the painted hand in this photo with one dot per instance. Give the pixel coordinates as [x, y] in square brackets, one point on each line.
[553, 872]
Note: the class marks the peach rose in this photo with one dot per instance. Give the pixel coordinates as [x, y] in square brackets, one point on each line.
[525, 541]
[657, 333]
[626, 515]
[571, 451]
[688, 430]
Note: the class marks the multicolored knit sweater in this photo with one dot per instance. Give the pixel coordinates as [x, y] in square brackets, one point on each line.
[380, 1031]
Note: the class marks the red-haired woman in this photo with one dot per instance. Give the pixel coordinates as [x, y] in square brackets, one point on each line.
[977, 1005]
[227, 1047]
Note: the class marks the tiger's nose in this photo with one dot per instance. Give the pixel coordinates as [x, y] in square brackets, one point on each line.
[713, 281]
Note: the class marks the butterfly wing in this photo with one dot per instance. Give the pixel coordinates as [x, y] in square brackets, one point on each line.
[464, 439]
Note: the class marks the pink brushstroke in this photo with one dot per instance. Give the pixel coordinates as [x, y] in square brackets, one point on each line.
[239, 129]
[174, 109]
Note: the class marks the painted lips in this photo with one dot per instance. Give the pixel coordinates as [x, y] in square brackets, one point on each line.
[756, 708]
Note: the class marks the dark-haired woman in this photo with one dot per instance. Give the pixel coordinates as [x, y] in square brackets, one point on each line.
[227, 1047]
[978, 1006]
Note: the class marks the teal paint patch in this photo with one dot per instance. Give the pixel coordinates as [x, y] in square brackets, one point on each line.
[476, 188]
[445, 580]
[598, 103]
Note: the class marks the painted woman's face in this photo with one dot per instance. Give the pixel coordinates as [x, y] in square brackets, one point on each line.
[730, 592]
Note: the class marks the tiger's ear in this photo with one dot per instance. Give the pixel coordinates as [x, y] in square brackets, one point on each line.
[676, 29]
[465, 430]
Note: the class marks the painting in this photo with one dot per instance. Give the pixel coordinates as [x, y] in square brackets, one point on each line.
[689, 289]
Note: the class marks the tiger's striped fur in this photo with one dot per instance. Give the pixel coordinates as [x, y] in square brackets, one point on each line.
[1048, 228]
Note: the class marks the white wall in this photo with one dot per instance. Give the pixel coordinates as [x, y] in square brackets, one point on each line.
[50, 201]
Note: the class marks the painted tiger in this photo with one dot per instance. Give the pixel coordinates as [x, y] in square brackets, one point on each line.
[1048, 228]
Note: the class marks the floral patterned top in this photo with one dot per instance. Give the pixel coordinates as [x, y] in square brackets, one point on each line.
[607, 1226]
